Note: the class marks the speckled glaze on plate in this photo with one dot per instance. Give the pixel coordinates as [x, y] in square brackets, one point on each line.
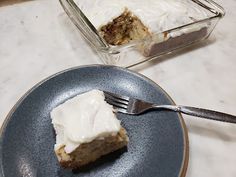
[158, 140]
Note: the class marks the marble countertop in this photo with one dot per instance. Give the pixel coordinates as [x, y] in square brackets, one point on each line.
[37, 40]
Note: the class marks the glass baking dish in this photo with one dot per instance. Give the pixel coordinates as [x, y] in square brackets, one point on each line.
[148, 48]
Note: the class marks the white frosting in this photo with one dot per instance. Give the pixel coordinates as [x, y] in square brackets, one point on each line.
[82, 119]
[157, 15]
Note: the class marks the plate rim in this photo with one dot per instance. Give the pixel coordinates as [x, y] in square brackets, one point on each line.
[185, 161]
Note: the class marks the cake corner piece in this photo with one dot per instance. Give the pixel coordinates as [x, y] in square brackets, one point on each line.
[83, 134]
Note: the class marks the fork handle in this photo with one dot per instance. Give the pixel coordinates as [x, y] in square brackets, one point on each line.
[203, 113]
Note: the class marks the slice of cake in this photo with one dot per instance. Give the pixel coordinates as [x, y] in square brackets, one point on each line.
[86, 128]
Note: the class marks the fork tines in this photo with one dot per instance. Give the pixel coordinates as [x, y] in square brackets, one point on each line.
[119, 102]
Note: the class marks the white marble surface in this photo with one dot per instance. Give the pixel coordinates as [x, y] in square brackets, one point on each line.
[37, 40]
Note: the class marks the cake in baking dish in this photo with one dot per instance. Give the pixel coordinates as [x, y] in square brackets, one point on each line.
[86, 128]
[122, 21]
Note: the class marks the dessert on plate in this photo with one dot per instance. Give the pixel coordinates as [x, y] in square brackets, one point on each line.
[122, 21]
[86, 128]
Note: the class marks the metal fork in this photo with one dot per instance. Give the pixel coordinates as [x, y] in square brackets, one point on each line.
[128, 105]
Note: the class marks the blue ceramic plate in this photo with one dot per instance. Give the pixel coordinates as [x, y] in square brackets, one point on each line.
[158, 140]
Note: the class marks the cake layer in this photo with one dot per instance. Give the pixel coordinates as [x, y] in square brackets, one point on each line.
[89, 152]
[123, 29]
